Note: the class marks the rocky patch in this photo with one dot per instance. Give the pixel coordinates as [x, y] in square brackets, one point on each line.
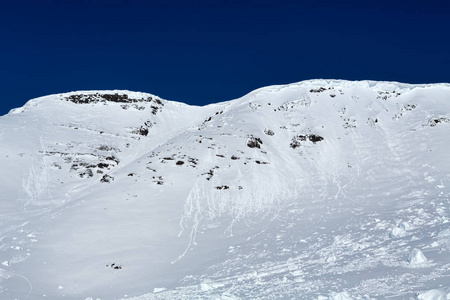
[434, 121]
[269, 132]
[254, 142]
[222, 187]
[210, 173]
[296, 140]
[106, 178]
[384, 95]
[115, 266]
[116, 97]
[319, 90]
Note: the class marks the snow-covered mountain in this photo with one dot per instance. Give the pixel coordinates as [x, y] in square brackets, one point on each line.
[322, 189]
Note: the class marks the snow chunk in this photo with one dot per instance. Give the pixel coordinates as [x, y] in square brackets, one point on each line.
[406, 226]
[416, 256]
[204, 287]
[227, 296]
[397, 232]
[331, 258]
[337, 296]
[444, 233]
[435, 294]
[158, 290]
[432, 245]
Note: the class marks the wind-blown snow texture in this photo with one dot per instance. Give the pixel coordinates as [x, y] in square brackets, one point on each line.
[322, 189]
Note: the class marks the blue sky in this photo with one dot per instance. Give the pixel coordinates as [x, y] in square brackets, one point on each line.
[201, 52]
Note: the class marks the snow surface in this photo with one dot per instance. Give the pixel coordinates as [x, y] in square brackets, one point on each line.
[322, 189]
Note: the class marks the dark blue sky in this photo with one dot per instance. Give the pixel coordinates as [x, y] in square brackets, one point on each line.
[200, 52]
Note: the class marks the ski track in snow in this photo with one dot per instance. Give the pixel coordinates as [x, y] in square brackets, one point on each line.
[235, 200]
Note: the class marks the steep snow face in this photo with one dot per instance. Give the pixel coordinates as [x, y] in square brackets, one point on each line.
[322, 188]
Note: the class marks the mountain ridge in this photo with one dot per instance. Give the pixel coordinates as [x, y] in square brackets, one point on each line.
[381, 85]
[274, 194]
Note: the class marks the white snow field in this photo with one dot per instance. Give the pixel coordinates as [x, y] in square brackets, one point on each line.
[322, 189]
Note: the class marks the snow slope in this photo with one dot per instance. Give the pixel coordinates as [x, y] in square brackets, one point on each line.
[322, 189]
